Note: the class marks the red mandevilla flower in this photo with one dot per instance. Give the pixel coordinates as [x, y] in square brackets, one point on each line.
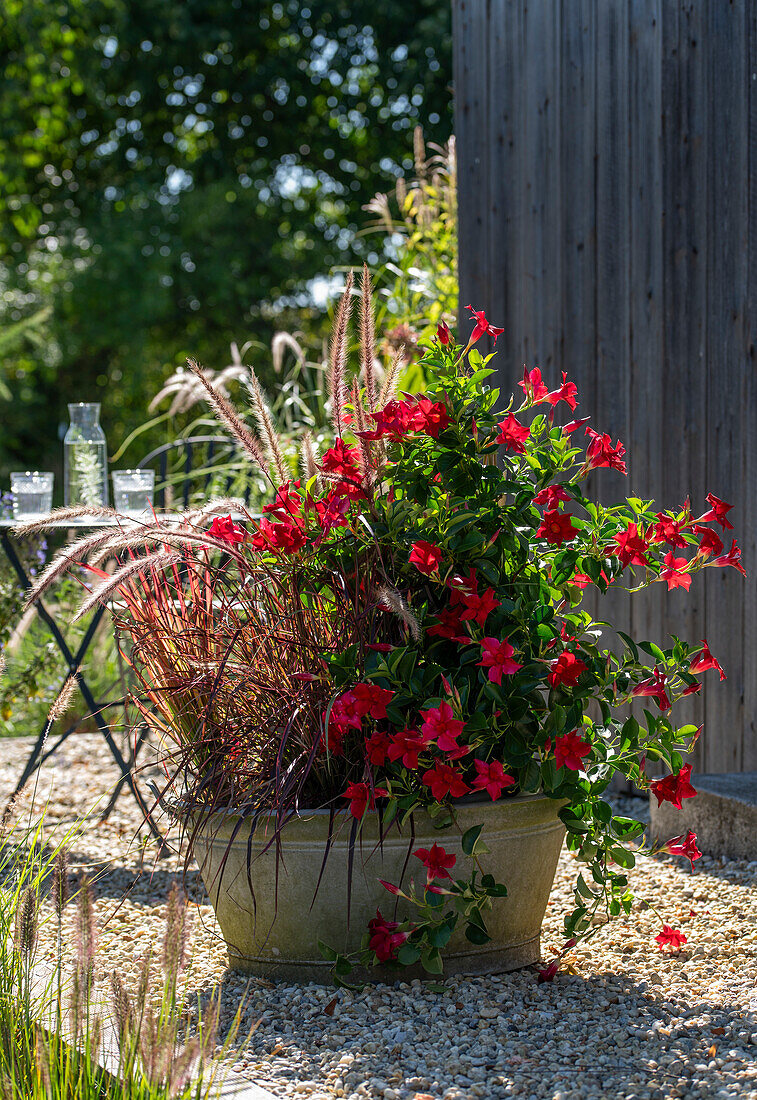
[497, 657]
[513, 434]
[670, 939]
[552, 496]
[684, 846]
[654, 688]
[406, 745]
[533, 387]
[567, 392]
[676, 572]
[566, 670]
[600, 452]
[383, 937]
[704, 661]
[631, 546]
[710, 541]
[361, 797]
[342, 460]
[732, 558]
[440, 725]
[449, 624]
[570, 751]
[556, 528]
[425, 557]
[717, 513]
[491, 778]
[285, 536]
[674, 788]
[443, 333]
[436, 861]
[224, 529]
[669, 530]
[482, 326]
[444, 781]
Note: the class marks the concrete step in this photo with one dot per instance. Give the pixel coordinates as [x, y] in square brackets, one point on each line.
[723, 815]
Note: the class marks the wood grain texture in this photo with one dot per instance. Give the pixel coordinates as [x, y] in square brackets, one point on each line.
[619, 178]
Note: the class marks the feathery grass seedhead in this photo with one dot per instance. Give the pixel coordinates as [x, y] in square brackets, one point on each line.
[419, 153]
[122, 1012]
[85, 930]
[309, 457]
[59, 515]
[397, 603]
[267, 430]
[63, 701]
[392, 377]
[367, 338]
[176, 935]
[42, 1053]
[27, 923]
[65, 558]
[60, 889]
[228, 415]
[337, 387]
[160, 559]
[281, 341]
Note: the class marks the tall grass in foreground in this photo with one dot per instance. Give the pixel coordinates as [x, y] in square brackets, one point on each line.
[65, 1037]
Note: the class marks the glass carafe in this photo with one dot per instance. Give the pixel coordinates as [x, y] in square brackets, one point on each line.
[85, 459]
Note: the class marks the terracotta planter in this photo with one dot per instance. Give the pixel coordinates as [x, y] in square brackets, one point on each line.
[280, 940]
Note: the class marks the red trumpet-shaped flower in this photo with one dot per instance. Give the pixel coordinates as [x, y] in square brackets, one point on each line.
[361, 797]
[224, 529]
[631, 546]
[383, 937]
[654, 688]
[443, 334]
[684, 846]
[565, 670]
[436, 861]
[671, 940]
[704, 660]
[552, 496]
[425, 557]
[676, 572]
[533, 387]
[406, 745]
[491, 778]
[556, 528]
[567, 393]
[733, 557]
[483, 326]
[710, 542]
[513, 434]
[445, 781]
[600, 452]
[570, 751]
[440, 725]
[717, 513]
[497, 657]
[674, 788]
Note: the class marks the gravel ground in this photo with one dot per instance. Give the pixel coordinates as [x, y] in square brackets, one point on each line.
[625, 1021]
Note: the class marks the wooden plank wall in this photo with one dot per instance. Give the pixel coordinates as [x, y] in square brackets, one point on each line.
[608, 219]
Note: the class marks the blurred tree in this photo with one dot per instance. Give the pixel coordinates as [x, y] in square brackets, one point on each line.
[175, 173]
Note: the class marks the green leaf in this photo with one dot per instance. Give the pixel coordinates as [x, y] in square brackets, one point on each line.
[476, 935]
[408, 954]
[469, 839]
[328, 952]
[431, 961]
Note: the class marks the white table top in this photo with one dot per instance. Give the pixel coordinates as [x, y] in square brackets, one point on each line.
[86, 523]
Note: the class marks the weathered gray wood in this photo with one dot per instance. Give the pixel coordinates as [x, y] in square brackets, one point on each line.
[727, 264]
[749, 529]
[619, 178]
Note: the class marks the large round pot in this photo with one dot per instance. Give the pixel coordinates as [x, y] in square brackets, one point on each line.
[277, 937]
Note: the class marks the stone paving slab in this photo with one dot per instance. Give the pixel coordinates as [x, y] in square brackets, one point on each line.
[723, 815]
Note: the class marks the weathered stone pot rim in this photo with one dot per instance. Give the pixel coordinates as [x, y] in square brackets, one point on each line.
[199, 812]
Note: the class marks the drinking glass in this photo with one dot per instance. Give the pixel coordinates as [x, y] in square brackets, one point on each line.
[32, 494]
[133, 491]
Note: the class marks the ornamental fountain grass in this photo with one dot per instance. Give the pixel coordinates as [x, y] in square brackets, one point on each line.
[382, 703]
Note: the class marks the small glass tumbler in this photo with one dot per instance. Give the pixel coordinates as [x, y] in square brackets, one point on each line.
[32, 494]
[133, 491]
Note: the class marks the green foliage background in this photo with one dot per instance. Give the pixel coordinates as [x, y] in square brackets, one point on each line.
[175, 173]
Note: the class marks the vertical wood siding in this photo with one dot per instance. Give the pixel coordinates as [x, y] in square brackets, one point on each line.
[608, 219]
